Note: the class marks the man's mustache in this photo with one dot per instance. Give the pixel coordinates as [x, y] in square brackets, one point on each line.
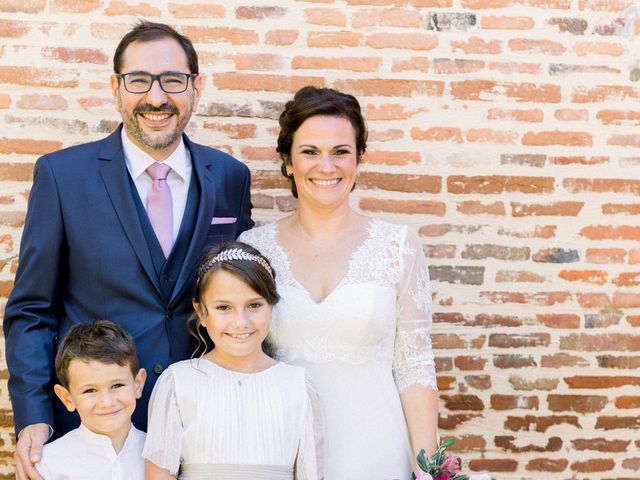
[148, 108]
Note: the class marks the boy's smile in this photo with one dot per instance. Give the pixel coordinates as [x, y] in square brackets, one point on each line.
[104, 394]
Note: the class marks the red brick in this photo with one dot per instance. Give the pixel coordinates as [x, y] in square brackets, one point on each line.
[413, 64]
[474, 207]
[624, 140]
[437, 134]
[547, 465]
[561, 360]
[596, 277]
[593, 465]
[617, 422]
[634, 256]
[605, 5]
[196, 10]
[577, 403]
[411, 41]
[579, 160]
[388, 135]
[530, 92]
[477, 45]
[583, 49]
[450, 422]
[532, 115]
[531, 160]
[472, 89]
[535, 46]
[460, 184]
[509, 68]
[24, 6]
[13, 29]
[571, 115]
[503, 340]
[462, 402]
[5, 100]
[506, 23]
[512, 402]
[258, 61]
[456, 66]
[518, 276]
[493, 464]
[260, 200]
[619, 117]
[325, 16]
[235, 131]
[17, 172]
[334, 39]
[42, 102]
[264, 82]
[388, 17]
[526, 384]
[551, 4]
[563, 209]
[602, 185]
[556, 137]
[141, 9]
[627, 401]
[39, 77]
[598, 343]
[28, 146]
[470, 363]
[260, 13]
[421, 207]
[381, 157]
[606, 255]
[631, 463]
[488, 135]
[627, 279]
[75, 55]
[604, 93]
[355, 64]
[482, 4]
[400, 182]
[233, 36]
[281, 37]
[608, 232]
[559, 320]
[389, 111]
[440, 251]
[392, 88]
[267, 179]
[108, 31]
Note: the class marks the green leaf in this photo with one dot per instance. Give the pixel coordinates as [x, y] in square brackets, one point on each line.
[446, 443]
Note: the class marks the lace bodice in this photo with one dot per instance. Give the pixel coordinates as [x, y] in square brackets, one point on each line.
[380, 311]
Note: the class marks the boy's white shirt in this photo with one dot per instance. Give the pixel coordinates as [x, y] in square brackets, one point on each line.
[82, 454]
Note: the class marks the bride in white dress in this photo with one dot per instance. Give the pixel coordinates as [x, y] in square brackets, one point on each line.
[355, 307]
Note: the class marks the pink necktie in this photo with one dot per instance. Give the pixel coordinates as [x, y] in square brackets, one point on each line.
[160, 206]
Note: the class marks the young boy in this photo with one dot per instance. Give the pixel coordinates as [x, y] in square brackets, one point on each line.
[98, 370]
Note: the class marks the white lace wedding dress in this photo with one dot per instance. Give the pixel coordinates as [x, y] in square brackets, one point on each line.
[364, 343]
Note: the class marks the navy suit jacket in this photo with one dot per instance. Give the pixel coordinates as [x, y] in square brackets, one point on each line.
[84, 257]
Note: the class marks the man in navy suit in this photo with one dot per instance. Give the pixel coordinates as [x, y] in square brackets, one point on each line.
[91, 249]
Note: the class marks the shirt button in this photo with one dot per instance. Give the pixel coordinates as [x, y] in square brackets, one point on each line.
[157, 368]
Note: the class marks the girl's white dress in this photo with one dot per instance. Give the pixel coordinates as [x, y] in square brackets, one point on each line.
[213, 423]
[362, 345]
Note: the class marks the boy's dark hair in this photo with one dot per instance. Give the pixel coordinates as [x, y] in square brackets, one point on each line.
[147, 32]
[102, 341]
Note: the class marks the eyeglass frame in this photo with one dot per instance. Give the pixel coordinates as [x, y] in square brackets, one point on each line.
[155, 77]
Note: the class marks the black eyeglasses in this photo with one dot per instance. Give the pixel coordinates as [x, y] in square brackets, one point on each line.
[141, 82]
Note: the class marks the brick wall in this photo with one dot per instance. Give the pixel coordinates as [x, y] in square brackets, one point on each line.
[504, 131]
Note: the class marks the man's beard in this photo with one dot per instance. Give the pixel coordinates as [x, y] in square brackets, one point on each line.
[159, 141]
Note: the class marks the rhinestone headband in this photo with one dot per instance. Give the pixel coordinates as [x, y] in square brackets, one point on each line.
[233, 254]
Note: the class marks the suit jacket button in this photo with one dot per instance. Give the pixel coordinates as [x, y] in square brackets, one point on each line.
[157, 368]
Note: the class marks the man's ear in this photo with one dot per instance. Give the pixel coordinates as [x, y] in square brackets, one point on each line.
[198, 86]
[64, 396]
[139, 380]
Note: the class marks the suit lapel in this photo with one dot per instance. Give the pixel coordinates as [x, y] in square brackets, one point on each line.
[115, 177]
[203, 167]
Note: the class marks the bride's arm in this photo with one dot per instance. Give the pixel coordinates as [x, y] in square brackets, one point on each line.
[414, 366]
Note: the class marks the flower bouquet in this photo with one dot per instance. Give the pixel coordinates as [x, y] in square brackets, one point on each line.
[440, 467]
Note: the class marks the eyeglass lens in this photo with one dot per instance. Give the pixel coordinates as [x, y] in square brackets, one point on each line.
[169, 82]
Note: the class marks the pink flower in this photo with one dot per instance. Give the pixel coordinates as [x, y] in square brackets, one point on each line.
[450, 465]
[442, 477]
[420, 475]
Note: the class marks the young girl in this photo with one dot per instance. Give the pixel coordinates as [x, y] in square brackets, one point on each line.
[234, 412]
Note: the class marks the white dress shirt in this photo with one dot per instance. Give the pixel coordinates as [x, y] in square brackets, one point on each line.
[82, 455]
[178, 180]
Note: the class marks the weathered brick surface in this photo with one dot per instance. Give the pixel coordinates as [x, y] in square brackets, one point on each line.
[504, 132]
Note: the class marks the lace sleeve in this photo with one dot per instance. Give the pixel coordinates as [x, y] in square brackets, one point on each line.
[310, 462]
[163, 445]
[413, 362]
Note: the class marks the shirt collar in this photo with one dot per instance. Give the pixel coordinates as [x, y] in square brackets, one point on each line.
[138, 160]
[99, 439]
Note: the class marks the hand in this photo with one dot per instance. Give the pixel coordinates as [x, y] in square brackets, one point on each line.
[29, 450]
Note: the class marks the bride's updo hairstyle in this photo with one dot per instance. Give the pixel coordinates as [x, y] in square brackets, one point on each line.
[241, 260]
[308, 102]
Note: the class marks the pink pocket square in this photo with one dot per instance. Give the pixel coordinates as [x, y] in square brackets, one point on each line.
[221, 220]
